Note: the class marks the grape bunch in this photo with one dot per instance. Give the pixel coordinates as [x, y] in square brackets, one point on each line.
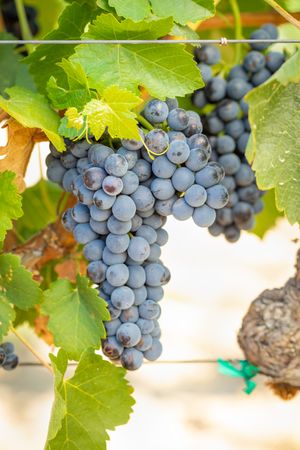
[228, 127]
[8, 359]
[11, 20]
[124, 196]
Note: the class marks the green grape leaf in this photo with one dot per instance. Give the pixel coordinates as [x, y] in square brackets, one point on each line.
[9, 62]
[76, 315]
[43, 61]
[39, 201]
[10, 202]
[268, 217]
[113, 112]
[62, 98]
[103, 4]
[184, 32]
[155, 67]
[274, 144]
[7, 316]
[185, 10]
[27, 317]
[16, 283]
[96, 399]
[135, 10]
[33, 110]
[47, 14]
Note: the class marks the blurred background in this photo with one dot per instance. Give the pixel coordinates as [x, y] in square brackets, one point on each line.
[182, 406]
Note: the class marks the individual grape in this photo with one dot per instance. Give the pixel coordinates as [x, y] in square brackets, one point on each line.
[2, 356]
[155, 293]
[204, 216]
[197, 159]
[199, 141]
[232, 233]
[181, 210]
[258, 206]
[80, 149]
[116, 226]
[140, 295]
[237, 88]
[67, 220]
[131, 156]
[235, 128]
[122, 297]
[162, 167]
[149, 310]
[254, 61]
[80, 213]
[147, 233]
[98, 153]
[93, 178]
[96, 271]
[244, 106]
[8, 348]
[11, 362]
[244, 175]
[260, 77]
[194, 124]
[68, 179]
[199, 99]
[82, 165]
[114, 312]
[99, 214]
[176, 136]
[228, 109]
[116, 165]
[154, 351]
[172, 103]
[137, 277]
[195, 196]
[99, 227]
[130, 183]
[216, 229]
[156, 221]
[242, 213]
[112, 348]
[112, 326]
[129, 334]
[142, 169]
[156, 111]
[112, 185]
[229, 183]
[238, 72]
[102, 200]
[131, 359]
[271, 29]
[145, 343]
[136, 223]
[124, 208]
[83, 233]
[212, 174]
[225, 144]
[117, 275]
[93, 250]
[274, 61]
[182, 179]
[178, 119]
[233, 199]
[242, 142]
[68, 160]
[213, 124]
[217, 196]
[107, 287]
[162, 189]
[206, 72]
[157, 141]
[85, 195]
[55, 172]
[134, 144]
[178, 152]
[148, 213]
[146, 326]
[143, 198]
[77, 183]
[110, 258]
[138, 249]
[156, 333]
[54, 152]
[224, 217]
[260, 34]
[215, 90]
[157, 274]
[230, 162]
[162, 237]
[249, 194]
[130, 315]
[117, 243]
[155, 253]
[208, 54]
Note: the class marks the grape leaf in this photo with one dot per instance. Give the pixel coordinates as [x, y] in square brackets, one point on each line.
[9, 61]
[32, 110]
[96, 399]
[71, 25]
[135, 10]
[16, 283]
[10, 202]
[39, 201]
[185, 10]
[47, 14]
[276, 154]
[267, 218]
[183, 32]
[76, 315]
[7, 316]
[164, 72]
[113, 111]
[103, 4]
[70, 132]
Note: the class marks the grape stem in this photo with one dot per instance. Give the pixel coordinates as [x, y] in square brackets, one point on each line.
[25, 29]
[283, 13]
[32, 350]
[237, 29]
[144, 122]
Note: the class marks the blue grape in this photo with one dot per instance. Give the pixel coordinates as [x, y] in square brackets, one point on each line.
[178, 119]
[83, 233]
[233, 199]
[129, 334]
[242, 142]
[162, 167]
[260, 77]
[96, 271]
[245, 175]
[155, 253]
[215, 229]
[138, 249]
[112, 348]
[140, 295]
[117, 243]
[232, 233]
[134, 144]
[208, 54]
[93, 250]
[116, 165]
[157, 141]
[206, 71]
[110, 258]
[85, 195]
[225, 144]
[68, 160]
[182, 179]
[80, 213]
[176, 136]
[156, 274]
[122, 297]
[231, 163]
[274, 61]
[154, 351]
[131, 359]
[178, 152]
[112, 326]
[130, 315]
[102, 200]
[146, 326]
[54, 152]
[124, 208]
[68, 179]
[131, 156]
[99, 227]
[200, 141]
[229, 183]
[194, 125]
[254, 61]
[98, 153]
[155, 293]
[107, 287]
[116, 226]
[172, 103]
[149, 310]
[80, 149]
[114, 312]
[181, 210]
[217, 196]
[11, 362]
[258, 206]
[55, 172]
[244, 106]
[143, 198]
[162, 237]
[93, 178]
[156, 111]
[271, 29]
[162, 189]
[147, 233]
[136, 222]
[204, 216]
[130, 183]
[137, 277]
[156, 221]
[156, 333]
[83, 164]
[112, 185]
[99, 214]
[213, 124]
[249, 194]
[260, 34]
[142, 169]
[117, 275]
[215, 90]
[228, 109]
[242, 213]
[224, 217]
[67, 220]
[195, 196]
[199, 99]
[237, 88]
[238, 72]
[212, 174]
[145, 343]
[235, 128]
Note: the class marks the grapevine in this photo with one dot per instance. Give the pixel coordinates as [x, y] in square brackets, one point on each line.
[138, 135]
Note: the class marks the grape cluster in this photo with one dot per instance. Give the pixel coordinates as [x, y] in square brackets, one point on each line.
[124, 197]
[11, 20]
[8, 359]
[228, 127]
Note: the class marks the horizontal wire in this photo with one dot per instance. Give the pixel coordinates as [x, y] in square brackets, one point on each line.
[221, 41]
